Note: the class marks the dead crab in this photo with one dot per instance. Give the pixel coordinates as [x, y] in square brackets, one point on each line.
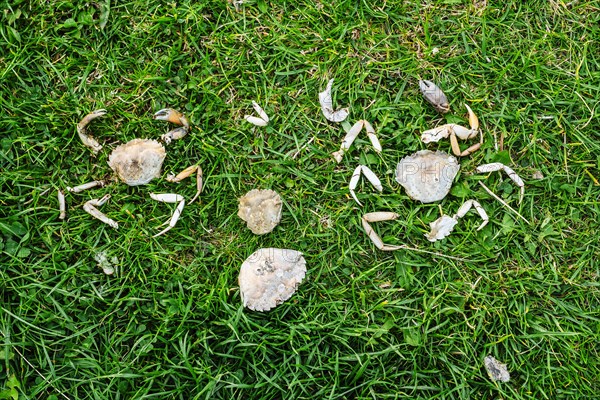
[137, 162]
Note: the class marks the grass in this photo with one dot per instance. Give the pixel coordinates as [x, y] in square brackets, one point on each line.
[365, 324]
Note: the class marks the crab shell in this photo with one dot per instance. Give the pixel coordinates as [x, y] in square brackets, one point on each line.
[138, 161]
[261, 209]
[427, 176]
[269, 277]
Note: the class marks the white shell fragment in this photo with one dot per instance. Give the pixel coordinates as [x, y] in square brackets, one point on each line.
[261, 209]
[269, 277]
[496, 370]
[138, 161]
[326, 102]
[427, 176]
[261, 120]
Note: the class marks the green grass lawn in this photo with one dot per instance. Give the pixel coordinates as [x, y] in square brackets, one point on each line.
[365, 324]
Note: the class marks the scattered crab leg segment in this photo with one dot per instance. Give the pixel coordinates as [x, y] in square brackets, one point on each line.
[464, 209]
[62, 204]
[85, 186]
[184, 174]
[87, 140]
[371, 134]
[377, 217]
[170, 198]
[326, 102]
[90, 208]
[173, 116]
[370, 175]
[261, 120]
[509, 171]
[351, 136]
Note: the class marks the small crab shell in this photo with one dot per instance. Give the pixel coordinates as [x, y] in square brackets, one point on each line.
[427, 176]
[261, 209]
[138, 161]
[269, 277]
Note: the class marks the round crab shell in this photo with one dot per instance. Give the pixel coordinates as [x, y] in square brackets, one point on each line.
[261, 209]
[427, 176]
[138, 161]
[269, 277]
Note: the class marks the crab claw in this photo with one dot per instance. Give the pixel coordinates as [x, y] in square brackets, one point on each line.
[173, 116]
[434, 95]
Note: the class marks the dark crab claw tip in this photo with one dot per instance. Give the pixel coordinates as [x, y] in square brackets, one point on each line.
[168, 114]
[164, 114]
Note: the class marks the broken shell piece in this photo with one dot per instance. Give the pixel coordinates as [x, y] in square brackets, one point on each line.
[427, 176]
[138, 161]
[496, 370]
[326, 102]
[261, 209]
[434, 95]
[509, 171]
[269, 277]
[263, 118]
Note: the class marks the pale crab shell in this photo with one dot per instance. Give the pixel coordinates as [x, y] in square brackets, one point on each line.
[138, 161]
[269, 277]
[261, 209]
[427, 176]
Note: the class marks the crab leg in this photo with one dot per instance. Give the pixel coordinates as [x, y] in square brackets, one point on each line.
[509, 171]
[170, 198]
[188, 172]
[464, 209]
[375, 238]
[372, 137]
[434, 95]
[90, 208]
[370, 175]
[85, 186]
[62, 204]
[326, 102]
[263, 118]
[352, 134]
[168, 114]
[87, 140]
